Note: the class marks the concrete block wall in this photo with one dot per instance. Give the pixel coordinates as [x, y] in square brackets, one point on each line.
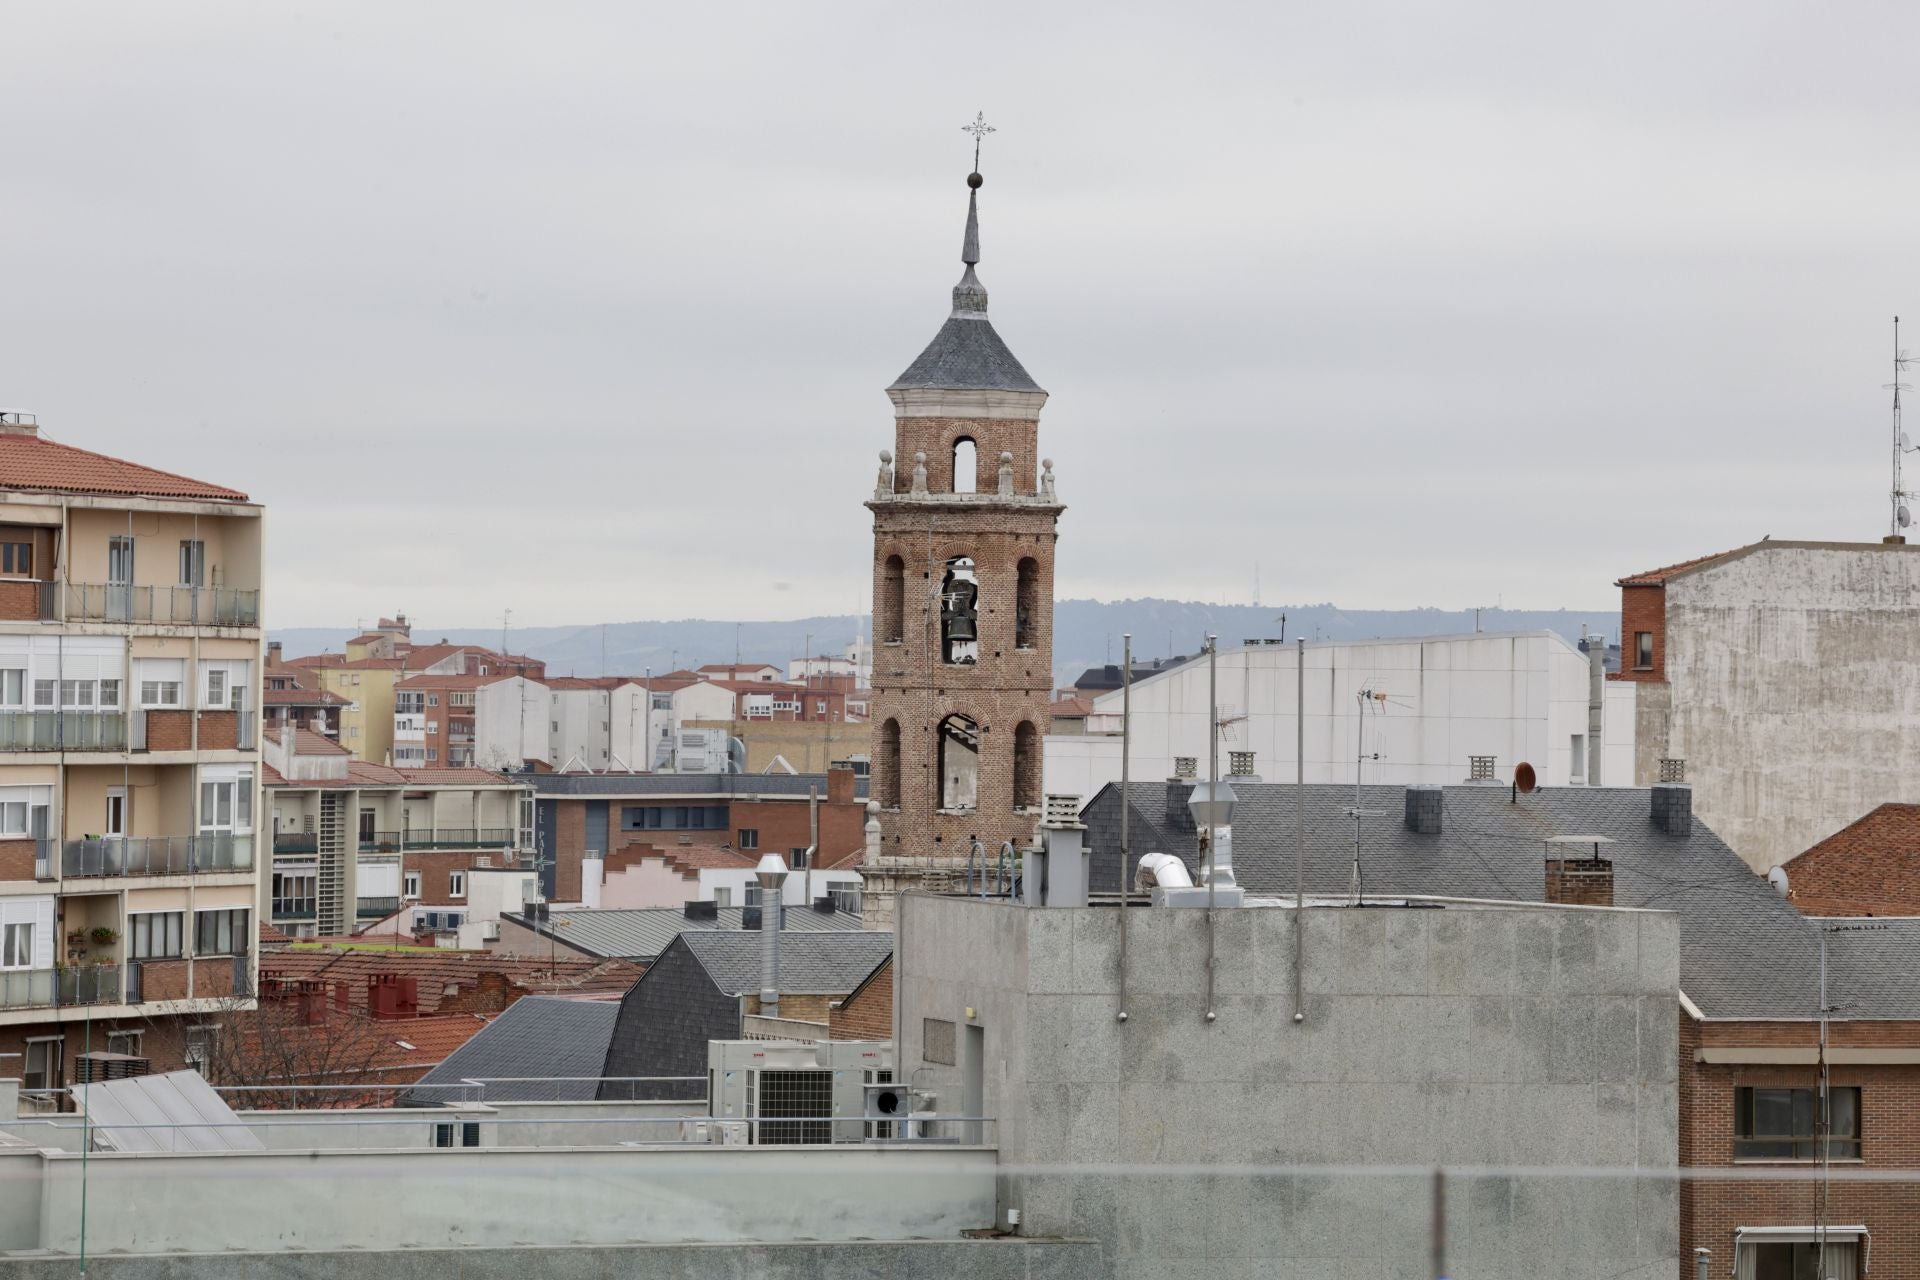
[1532, 1051]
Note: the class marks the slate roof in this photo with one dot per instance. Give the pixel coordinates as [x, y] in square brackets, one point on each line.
[828, 964]
[642, 933]
[536, 1036]
[1745, 952]
[965, 355]
[683, 784]
[35, 462]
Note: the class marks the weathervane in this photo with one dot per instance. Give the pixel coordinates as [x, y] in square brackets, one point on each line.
[979, 129]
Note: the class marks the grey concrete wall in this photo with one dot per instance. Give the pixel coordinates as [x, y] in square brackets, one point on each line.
[1795, 677]
[502, 1199]
[1491, 1041]
[977, 1260]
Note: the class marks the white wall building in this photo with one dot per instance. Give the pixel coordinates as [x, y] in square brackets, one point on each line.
[1513, 696]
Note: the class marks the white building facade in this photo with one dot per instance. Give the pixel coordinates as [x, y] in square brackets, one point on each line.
[1433, 705]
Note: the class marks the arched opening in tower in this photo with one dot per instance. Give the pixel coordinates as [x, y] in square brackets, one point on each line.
[890, 615]
[1026, 766]
[959, 764]
[1026, 603]
[966, 465]
[960, 613]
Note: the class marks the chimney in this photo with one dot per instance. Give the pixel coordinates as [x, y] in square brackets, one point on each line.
[1580, 882]
[273, 652]
[1673, 808]
[340, 997]
[1425, 805]
[15, 423]
[840, 785]
[1178, 789]
[391, 996]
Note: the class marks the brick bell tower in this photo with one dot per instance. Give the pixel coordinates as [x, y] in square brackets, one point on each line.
[964, 519]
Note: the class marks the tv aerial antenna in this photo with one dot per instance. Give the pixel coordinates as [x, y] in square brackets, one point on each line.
[1367, 699]
[1901, 516]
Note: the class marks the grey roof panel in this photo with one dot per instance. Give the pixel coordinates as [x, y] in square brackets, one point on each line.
[641, 933]
[966, 355]
[830, 964]
[1745, 951]
[539, 1036]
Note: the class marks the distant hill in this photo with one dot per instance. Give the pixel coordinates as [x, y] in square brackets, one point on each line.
[1086, 633]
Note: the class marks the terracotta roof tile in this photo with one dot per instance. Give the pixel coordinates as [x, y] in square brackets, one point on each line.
[1658, 577]
[302, 698]
[35, 462]
[430, 681]
[447, 777]
[437, 971]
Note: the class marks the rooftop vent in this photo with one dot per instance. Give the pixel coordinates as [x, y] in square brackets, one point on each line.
[1480, 768]
[1425, 805]
[702, 910]
[1673, 808]
[1672, 769]
[1187, 767]
[1062, 813]
[1240, 764]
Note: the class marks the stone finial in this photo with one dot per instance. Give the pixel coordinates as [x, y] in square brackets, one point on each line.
[1046, 479]
[1006, 475]
[883, 487]
[920, 475]
[873, 831]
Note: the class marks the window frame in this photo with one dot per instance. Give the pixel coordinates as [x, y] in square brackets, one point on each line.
[193, 562]
[456, 884]
[225, 934]
[410, 886]
[1643, 651]
[1804, 1147]
[140, 935]
[749, 838]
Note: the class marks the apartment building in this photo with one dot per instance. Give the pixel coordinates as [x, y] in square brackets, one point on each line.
[368, 674]
[356, 844]
[130, 659]
[292, 695]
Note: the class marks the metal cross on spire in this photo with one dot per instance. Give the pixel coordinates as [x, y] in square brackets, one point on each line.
[979, 129]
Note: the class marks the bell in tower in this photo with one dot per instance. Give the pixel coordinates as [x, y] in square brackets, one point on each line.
[959, 614]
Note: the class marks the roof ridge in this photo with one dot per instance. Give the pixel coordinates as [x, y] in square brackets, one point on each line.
[141, 466]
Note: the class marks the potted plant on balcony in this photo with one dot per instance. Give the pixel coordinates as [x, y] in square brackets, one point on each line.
[103, 936]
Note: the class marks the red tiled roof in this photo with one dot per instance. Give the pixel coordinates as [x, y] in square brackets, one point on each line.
[271, 935]
[424, 1041]
[302, 698]
[1658, 577]
[453, 777]
[35, 462]
[437, 971]
[1073, 706]
[430, 681]
[306, 742]
[593, 682]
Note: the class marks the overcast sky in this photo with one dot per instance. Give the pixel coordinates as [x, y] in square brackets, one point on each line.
[585, 310]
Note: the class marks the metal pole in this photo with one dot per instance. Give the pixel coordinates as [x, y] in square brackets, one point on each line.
[1213, 795]
[1702, 1263]
[1826, 1118]
[1439, 1224]
[813, 840]
[1126, 802]
[1299, 822]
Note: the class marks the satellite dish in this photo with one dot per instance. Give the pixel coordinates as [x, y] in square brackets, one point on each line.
[1905, 517]
[1778, 879]
[1903, 442]
[1524, 780]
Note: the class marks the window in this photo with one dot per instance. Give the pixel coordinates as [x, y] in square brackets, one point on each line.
[433, 699]
[1783, 1124]
[127, 1042]
[216, 687]
[797, 859]
[220, 933]
[819, 706]
[966, 465]
[293, 893]
[200, 1047]
[749, 838]
[1795, 1260]
[159, 693]
[456, 884]
[412, 889]
[155, 935]
[465, 1135]
[886, 762]
[722, 896]
[16, 558]
[1577, 752]
[43, 1064]
[354, 732]
[110, 695]
[433, 726]
[16, 946]
[890, 613]
[13, 687]
[433, 755]
[1643, 651]
[1026, 602]
[226, 804]
[193, 562]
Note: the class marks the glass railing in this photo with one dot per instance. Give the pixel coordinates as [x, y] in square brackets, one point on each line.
[50, 988]
[296, 842]
[188, 606]
[156, 855]
[458, 838]
[376, 908]
[63, 731]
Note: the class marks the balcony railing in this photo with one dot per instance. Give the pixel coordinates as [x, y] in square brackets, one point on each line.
[63, 731]
[376, 908]
[29, 600]
[195, 606]
[460, 838]
[56, 988]
[157, 855]
[282, 911]
[296, 842]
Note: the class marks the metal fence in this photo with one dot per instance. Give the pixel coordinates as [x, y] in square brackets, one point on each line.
[157, 855]
[437, 838]
[63, 731]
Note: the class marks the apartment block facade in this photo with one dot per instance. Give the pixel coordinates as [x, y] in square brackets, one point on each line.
[130, 666]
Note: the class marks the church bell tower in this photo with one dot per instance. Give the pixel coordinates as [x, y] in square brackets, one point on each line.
[964, 518]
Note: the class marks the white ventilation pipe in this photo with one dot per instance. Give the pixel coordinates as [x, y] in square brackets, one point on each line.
[1162, 870]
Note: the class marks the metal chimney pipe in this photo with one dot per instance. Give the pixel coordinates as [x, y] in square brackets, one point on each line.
[1596, 703]
[772, 875]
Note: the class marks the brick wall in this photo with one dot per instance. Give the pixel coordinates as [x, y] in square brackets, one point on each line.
[436, 868]
[19, 599]
[1871, 868]
[16, 859]
[807, 1008]
[163, 980]
[1580, 882]
[867, 1014]
[1642, 609]
[169, 730]
[212, 977]
[1710, 1210]
[219, 730]
[569, 845]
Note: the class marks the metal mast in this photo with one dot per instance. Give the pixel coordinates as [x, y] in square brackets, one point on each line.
[1898, 516]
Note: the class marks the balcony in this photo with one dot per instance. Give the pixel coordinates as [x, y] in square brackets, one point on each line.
[185, 606]
[63, 731]
[205, 854]
[437, 838]
[29, 600]
[375, 908]
[59, 988]
[297, 842]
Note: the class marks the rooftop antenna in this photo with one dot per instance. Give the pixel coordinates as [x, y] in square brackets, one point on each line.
[1367, 699]
[1900, 516]
[506, 616]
